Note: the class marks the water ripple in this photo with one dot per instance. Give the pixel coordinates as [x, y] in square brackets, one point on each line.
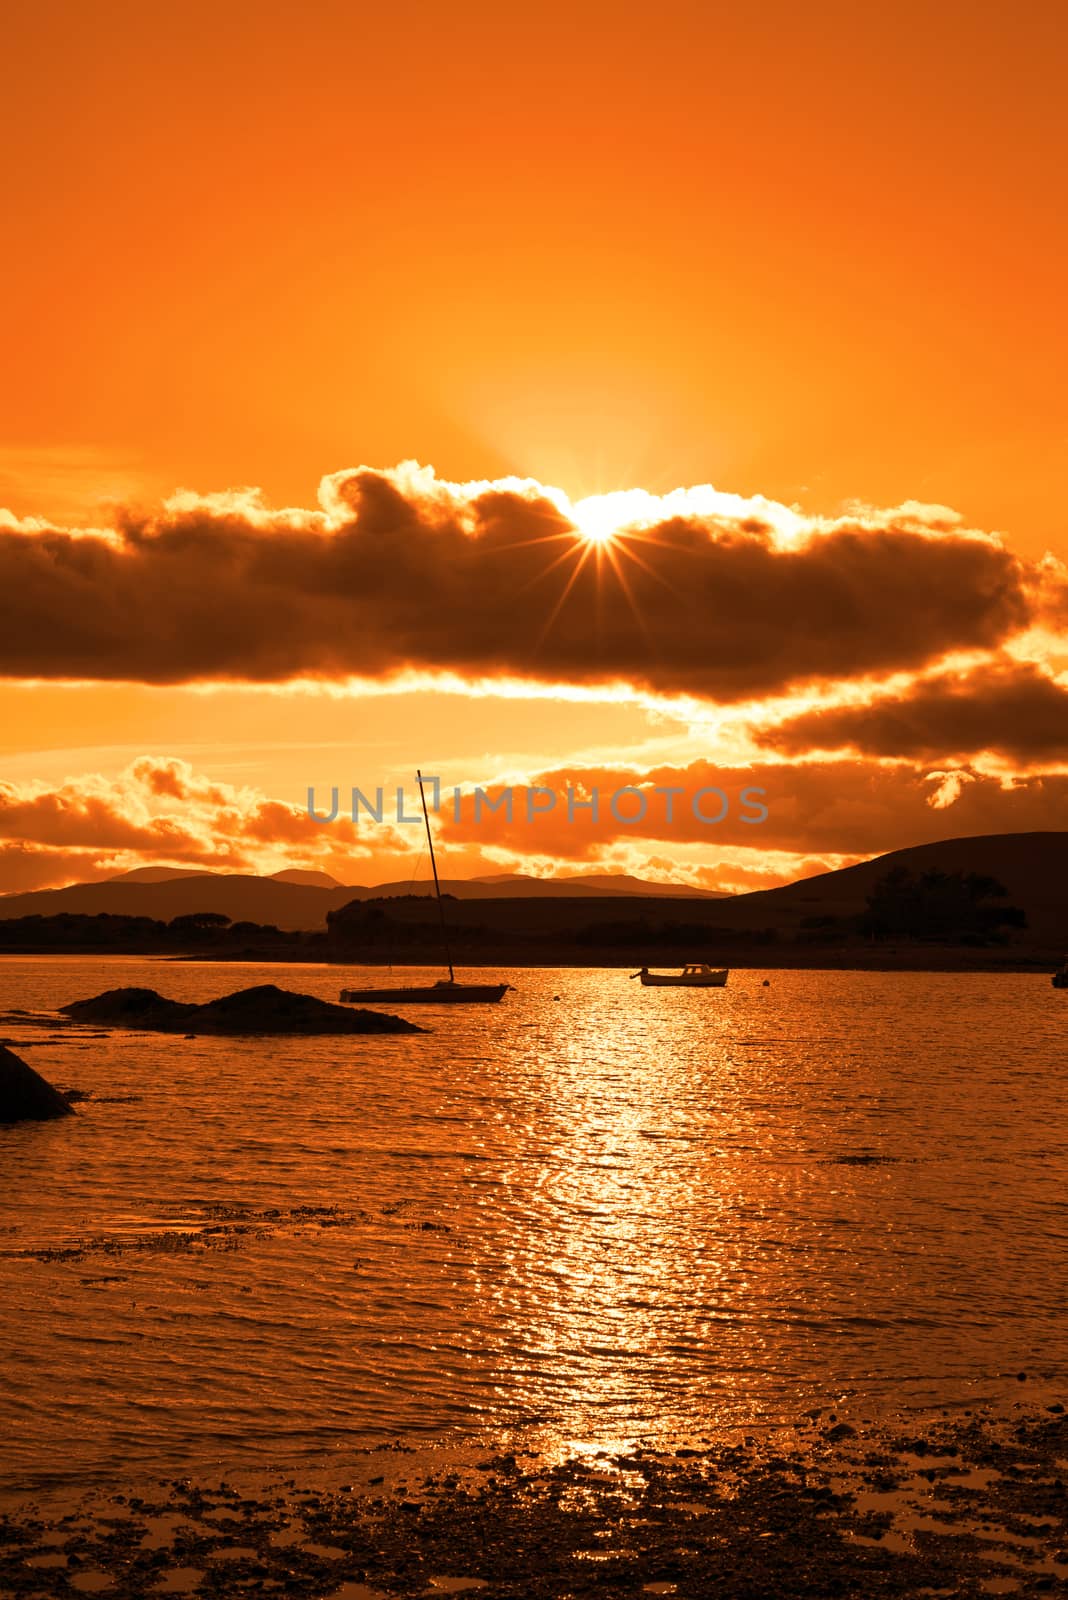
[629, 1210]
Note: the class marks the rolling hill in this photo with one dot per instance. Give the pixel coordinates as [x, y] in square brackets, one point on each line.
[295, 899]
[1033, 867]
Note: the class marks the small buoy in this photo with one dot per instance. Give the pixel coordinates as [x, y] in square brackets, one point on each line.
[556, 997]
[767, 983]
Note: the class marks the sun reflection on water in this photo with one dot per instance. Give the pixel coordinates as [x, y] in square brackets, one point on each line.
[630, 1216]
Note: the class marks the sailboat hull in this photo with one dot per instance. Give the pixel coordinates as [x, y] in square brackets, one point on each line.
[432, 994]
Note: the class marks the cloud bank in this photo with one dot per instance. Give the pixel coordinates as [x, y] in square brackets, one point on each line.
[158, 810]
[701, 593]
[819, 814]
[856, 808]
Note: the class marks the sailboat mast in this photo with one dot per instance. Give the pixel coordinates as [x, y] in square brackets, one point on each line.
[437, 885]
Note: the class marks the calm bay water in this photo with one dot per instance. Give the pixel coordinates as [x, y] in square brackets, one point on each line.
[618, 1212]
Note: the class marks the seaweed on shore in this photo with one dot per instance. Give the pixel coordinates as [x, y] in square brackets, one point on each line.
[965, 1508]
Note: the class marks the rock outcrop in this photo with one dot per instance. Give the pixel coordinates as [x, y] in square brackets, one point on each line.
[130, 1008]
[24, 1095]
[264, 1009]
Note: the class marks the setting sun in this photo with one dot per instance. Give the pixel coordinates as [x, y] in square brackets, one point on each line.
[596, 529]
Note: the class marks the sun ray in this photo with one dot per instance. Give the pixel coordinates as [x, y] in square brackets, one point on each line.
[565, 536]
[573, 550]
[622, 546]
[608, 554]
[584, 554]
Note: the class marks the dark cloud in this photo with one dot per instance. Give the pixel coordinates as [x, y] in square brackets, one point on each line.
[396, 572]
[1009, 709]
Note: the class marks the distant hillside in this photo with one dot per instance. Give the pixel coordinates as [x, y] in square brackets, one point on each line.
[313, 880]
[242, 899]
[940, 915]
[1032, 866]
[289, 899]
[817, 921]
[512, 885]
[588, 883]
[158, 874]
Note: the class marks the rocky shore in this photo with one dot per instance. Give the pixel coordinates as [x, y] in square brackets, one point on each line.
[970, 1505]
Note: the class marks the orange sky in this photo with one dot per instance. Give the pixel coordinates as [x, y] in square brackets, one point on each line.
[814, 254]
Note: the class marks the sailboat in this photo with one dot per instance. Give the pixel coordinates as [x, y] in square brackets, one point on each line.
[446, 992]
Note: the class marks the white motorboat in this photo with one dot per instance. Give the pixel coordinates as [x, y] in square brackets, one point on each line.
[695, 975]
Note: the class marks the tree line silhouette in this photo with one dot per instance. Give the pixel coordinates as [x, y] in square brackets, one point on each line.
[956, 908]
[947, 907]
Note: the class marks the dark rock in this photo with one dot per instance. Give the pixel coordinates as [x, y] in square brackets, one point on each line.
[265, 1009]
[130, 1008]
[24, 1095]
[268, 1009]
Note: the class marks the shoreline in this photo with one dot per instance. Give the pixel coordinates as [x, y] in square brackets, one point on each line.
[960, 1505]
[1038, 964]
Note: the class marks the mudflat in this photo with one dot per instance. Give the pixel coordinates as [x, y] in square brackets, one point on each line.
[958, 1506]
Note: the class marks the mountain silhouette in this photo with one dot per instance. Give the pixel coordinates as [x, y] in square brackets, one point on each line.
[295, 898]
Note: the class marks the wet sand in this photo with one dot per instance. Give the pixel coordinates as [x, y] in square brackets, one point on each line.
[966, 1505]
